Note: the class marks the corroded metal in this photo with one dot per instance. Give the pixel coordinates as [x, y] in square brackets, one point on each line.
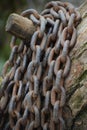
[33, 91]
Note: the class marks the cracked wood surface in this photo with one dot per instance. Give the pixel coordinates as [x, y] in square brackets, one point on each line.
[76, 83]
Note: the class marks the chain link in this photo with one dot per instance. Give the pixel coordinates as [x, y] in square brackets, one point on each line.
[33, 92]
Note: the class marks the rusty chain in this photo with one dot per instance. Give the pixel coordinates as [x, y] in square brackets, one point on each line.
[33, 92]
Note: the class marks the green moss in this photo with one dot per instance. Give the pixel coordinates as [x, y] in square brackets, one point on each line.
[83, 76]
[82, 115]
[84, 45]
[78, 101]
[82, 49]
[1, 79]
[85, 15]
[77, 84]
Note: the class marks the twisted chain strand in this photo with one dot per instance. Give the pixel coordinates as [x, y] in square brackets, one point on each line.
[33, 92]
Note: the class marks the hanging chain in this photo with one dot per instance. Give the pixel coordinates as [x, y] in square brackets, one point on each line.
[33, 92]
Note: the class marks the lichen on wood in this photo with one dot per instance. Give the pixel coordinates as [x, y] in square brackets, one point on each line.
[76, 84]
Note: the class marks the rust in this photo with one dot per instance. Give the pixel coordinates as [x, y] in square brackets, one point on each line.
[33, 94]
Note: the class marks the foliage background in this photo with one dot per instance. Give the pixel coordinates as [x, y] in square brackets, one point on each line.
[9, 6]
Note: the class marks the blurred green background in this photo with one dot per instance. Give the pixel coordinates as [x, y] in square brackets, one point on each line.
[9, 6]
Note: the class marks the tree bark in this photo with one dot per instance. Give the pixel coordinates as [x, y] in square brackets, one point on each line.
[76, 83]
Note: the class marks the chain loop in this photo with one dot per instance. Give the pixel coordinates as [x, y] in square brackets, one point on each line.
[33, 94]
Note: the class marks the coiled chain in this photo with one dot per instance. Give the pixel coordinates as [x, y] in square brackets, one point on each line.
[33, 92]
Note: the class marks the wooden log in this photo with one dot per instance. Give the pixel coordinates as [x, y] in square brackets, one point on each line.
[76, 83]
[20, 26]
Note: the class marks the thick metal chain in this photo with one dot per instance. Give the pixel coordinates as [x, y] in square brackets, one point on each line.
[33, 92]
